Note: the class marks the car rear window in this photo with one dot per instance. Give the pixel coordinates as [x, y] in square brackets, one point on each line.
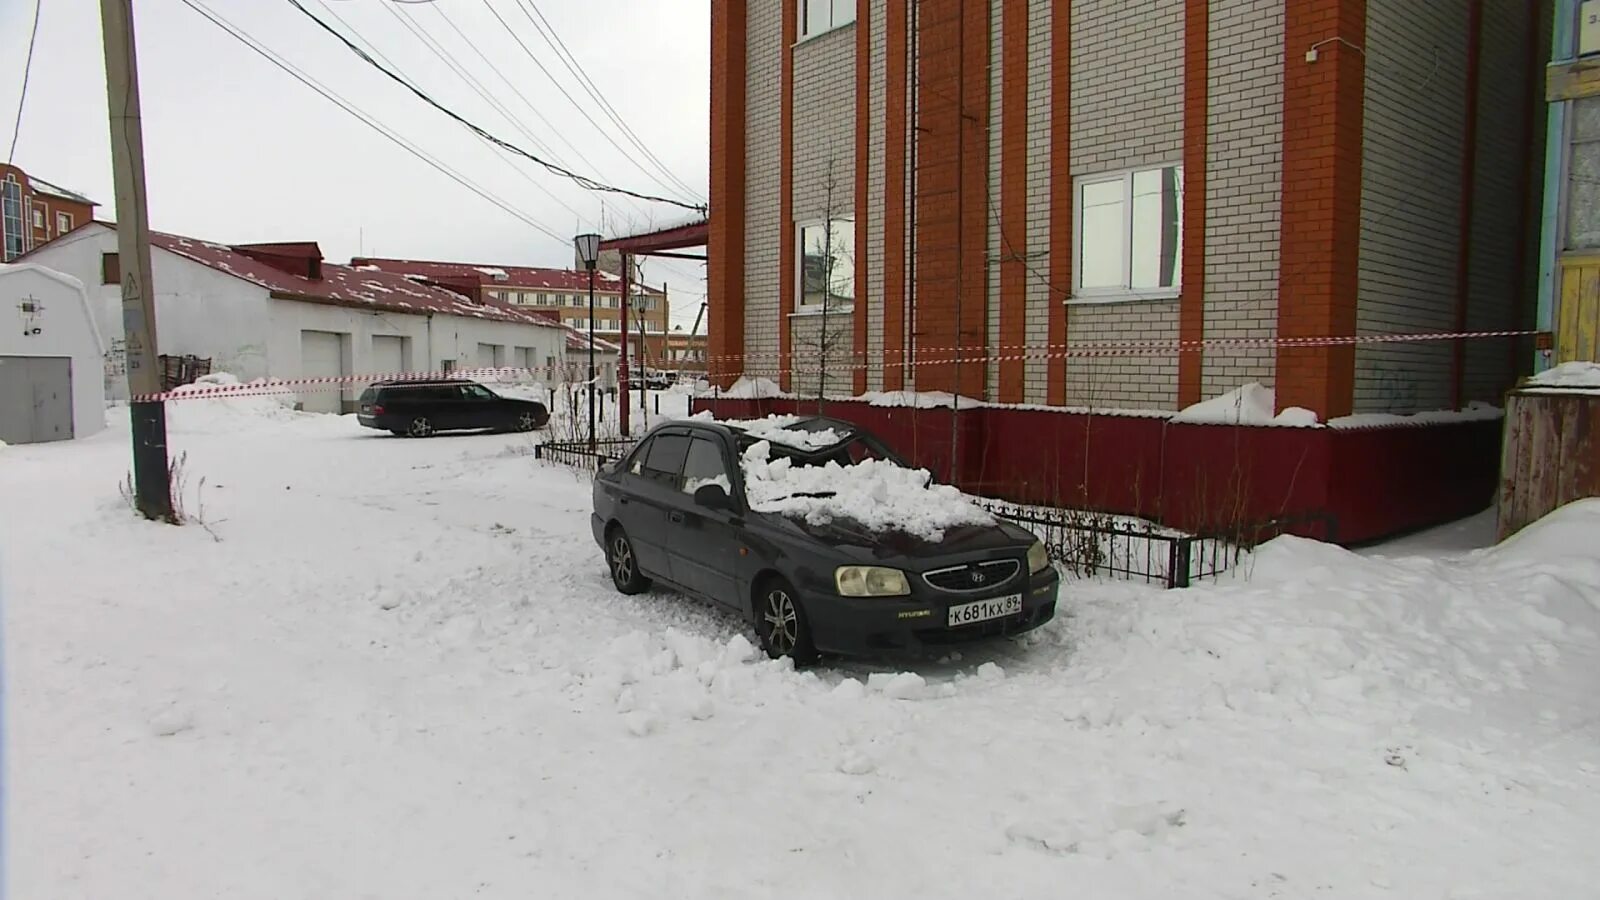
[368, 396]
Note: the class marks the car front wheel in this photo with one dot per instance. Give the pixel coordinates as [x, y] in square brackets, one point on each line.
[420, 427]
[781, 623]
[526, 421]
[623, 564]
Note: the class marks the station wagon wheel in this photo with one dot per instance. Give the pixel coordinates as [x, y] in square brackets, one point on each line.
[527, 421]
[781, 623]
[622, 562]
[420, 427]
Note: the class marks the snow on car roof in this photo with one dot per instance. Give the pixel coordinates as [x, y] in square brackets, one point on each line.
[795, 432]
[877, 495]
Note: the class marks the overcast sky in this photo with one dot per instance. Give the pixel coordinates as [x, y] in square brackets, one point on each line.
[236, 150]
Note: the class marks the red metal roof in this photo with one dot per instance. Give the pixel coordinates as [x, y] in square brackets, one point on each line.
[490, 276]
[342, 285]
[694, 232]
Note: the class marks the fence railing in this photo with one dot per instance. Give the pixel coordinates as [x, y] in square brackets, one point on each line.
[582, 454]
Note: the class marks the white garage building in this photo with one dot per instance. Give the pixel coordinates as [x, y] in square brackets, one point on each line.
[52, 358]
[279, 311]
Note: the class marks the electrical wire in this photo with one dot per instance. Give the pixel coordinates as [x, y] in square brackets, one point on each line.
[345, 105]
[581, 180]
[578, 106]
[27, 69]
[565, 54]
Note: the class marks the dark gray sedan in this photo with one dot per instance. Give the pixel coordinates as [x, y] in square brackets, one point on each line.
[674, 511]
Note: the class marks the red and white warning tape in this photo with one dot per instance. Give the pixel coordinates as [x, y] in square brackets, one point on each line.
[571, 374]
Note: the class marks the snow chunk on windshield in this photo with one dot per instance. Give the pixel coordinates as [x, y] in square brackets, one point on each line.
[781, 430]
[876, 495]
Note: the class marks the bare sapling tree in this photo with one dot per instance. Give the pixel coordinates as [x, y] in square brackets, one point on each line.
[827, 282]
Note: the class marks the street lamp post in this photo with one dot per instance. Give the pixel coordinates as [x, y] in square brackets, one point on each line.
[588, 246]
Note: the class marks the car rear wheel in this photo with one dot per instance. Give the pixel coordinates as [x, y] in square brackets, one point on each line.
[623, 564]
[781, 623]
[525, 421]
[420, 427]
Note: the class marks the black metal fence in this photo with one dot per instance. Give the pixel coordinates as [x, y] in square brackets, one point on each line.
[582, 454]
[1100, 544]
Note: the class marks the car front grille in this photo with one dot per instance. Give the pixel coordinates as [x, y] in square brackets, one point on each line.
[973, 578]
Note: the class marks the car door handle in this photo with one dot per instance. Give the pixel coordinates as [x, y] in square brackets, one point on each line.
[622, 499]
[675, 516]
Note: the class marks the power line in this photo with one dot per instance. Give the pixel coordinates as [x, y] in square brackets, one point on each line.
[27, 68]
[565, 54]
[576, 105]
[244, 38]
[421, 33]
[581, 180]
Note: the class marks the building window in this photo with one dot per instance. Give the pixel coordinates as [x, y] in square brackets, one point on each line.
[63, 223]
[1130, 233]
[38, 217]
[110, 268]
[1583, 176]
[818, 16]
[827, 264]
[11, 218]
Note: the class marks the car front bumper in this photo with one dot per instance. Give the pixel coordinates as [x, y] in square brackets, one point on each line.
[872, 625]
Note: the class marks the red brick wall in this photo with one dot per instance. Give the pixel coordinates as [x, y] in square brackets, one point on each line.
[952, 204]
[894, 197]
[725, 242]
[1060, 193]
[863, 216]
[786, 230]
[1321, 219]
[1192, 300]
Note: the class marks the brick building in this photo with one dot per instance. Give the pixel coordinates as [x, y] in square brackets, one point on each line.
[562, 294]
[957, 194]
[34, 212]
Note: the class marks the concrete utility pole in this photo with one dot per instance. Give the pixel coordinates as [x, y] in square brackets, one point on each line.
[151, 479]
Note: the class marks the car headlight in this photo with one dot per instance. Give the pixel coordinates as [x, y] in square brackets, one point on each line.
[1038, 558]
[870, 581]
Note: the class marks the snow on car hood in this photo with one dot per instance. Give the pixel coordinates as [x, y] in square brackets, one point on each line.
[875, 495]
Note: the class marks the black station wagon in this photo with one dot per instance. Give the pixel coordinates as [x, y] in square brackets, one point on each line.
[674, 511]
[424, 408]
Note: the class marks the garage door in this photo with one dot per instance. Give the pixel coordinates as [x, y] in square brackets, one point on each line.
[320, 358]
[388, 355]
[491, 356]
[35, 399]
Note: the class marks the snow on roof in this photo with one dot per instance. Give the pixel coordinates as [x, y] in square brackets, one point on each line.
[343, 285]
[1573, 375]
[45, 187]
[494, 276]
[874, 494]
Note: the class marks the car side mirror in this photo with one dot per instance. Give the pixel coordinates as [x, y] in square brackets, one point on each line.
[713, 496]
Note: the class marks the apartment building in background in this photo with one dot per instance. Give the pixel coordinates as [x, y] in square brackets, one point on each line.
[981, 195]
[561, 294]
[34, 212]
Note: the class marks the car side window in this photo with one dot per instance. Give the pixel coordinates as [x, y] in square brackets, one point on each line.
[705, 465]
[636, 465]
[664, 463]
[476, 392]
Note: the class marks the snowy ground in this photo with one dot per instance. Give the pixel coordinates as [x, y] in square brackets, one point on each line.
[395, 668]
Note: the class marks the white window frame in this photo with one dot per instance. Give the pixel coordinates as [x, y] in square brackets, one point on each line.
[1126, 292]
[38, 217]
[801, 307]
[834, 24]
[63, 217]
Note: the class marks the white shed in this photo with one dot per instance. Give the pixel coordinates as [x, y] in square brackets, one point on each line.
[52, 358]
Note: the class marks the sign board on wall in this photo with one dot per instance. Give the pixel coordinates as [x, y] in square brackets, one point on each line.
[1589, 27]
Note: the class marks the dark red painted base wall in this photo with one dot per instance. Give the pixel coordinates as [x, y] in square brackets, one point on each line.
[1350, 486]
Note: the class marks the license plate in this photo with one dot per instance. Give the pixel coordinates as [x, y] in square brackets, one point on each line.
[984, 610]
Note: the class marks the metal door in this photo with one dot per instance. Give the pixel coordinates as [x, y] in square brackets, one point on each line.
[35, 399]
[388, 354]
[320, 357]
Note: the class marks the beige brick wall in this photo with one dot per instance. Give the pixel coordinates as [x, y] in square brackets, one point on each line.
[993, 249]
[824, 126]
[1411, 185]
[1127, 111]
[1132, 382]
[876, 183]
[763, 236]
[1039, 295]
[1244, 176]
[822, 354]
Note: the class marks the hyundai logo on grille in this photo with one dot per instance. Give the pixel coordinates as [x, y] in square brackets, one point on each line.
[978, 577]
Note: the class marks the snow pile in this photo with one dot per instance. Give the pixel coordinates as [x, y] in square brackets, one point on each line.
[190, 410]
[919, 399]
[751, 388]
[1578, 375]
[1251, 404]
[778, 430]
[874, 494]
